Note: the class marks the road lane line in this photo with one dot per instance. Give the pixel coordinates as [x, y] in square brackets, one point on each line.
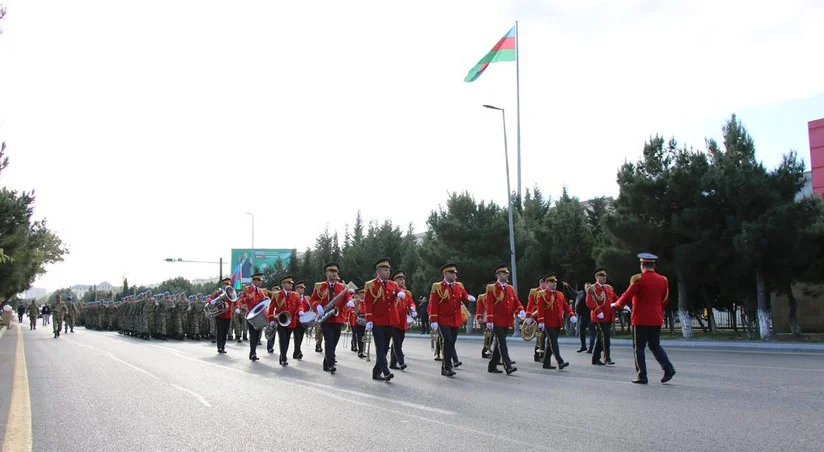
[749, 366]
[110, 355]
[196, 395]
[18, 436]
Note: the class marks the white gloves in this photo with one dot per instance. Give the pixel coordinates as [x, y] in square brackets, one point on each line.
[301, 312]
[541, 326]
[434, 325]
[614, 305]
[237, 311]
[320, 310]
[414, 314]
[600, 315]
[402, 295]
[573, 320]
[471, 299]
[627, 309]
[212, 302]
[490, 325]
[350, 304]
[351, 291]
[272, 323]
[529, 321]
[368, 326]
[522, 315]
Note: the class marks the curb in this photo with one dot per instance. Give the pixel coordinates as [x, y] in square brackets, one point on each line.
[676, 344]
[2, 331]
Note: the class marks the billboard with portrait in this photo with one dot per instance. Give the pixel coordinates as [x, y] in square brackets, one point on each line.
[258, 260]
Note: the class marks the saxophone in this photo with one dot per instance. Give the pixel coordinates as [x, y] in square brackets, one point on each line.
[328, 309]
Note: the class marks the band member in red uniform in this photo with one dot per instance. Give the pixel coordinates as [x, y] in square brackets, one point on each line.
[300, 330]
[381, 315]
[502, 304]
[649, 293]
[359, 328]
[532, 315]
[251, 296]
[402, 306]
[551, 308]
[445, 301]
[600, 297]
[323, 294]
[284, 300]
[222, 321]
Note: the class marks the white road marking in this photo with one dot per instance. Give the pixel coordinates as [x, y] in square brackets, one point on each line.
[196, 395]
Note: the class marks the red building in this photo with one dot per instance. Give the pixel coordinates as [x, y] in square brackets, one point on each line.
[816, 133]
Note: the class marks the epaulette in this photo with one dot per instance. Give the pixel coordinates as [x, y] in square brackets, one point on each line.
[635, 278]
[435, 285]
[369, 283]
[533, 291]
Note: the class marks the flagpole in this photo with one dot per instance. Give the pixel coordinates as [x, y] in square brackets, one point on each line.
[518, 102]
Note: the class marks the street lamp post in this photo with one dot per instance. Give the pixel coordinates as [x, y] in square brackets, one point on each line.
[509, 199]
[253, 240]
[219, 262]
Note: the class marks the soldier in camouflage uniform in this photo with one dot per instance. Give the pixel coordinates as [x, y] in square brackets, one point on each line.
[33, 310]
[239, 324]
[59, 312]
[71, 314]
[176, 317]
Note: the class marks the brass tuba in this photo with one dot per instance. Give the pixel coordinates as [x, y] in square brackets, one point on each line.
[220, 306]
[284, 319]
[529, 330]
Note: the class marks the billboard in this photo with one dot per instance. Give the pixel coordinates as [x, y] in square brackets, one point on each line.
[258, 260]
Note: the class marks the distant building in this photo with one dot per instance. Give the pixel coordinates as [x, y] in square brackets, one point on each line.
[816, 134]
[34, 292]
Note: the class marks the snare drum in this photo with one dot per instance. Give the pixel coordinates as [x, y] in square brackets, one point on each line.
[257, 316]
[307, 318]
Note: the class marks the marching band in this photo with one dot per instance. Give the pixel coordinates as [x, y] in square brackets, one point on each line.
[384, 309]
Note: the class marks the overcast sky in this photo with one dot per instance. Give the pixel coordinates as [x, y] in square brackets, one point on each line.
[149, 128]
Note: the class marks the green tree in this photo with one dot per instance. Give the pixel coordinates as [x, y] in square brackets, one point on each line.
[174, 286]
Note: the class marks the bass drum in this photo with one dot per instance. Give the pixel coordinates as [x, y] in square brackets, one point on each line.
[307, 317]
[257, 316]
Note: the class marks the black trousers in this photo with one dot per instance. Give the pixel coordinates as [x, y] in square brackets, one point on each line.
[425, 328]
[501, 351]
[552, 346]
[331, 335]
[222, 326]
[649, 336]
[398, 335]
[358, 331]
[449, 333]
[284, 335]
[270, 343]
[254, 334]
[584, 323]
[601, 342]
[592, 333]
[300, 331]
[381, 335]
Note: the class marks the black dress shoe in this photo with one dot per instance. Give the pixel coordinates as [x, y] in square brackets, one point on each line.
[486, 356]
[361, 355]
[597, 363]
[549, 367]
[438, 358]
[640, 381]
[389, 377]
[270, 350]
[457, 364]
[582, 349]
[221, 351]
[333, 369]
[495, 371]
[403, 366]
[378, 377]
[537, 359]
[239, 341]
[668, 376]
[563, 364]
[254, 358]
[394, 367]
[513, 362]
[610, 362]
[511, 370]
[284, 363]
[589, 351]
[448, 373]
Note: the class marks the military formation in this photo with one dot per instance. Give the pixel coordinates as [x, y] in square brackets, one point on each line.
[381, 312]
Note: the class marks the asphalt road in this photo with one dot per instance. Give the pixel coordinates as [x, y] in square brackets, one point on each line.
[102, 391]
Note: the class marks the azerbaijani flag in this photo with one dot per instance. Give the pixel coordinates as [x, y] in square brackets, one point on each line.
[236, 278]
[504, 50]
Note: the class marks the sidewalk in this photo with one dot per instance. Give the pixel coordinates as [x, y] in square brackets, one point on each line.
[754, 346]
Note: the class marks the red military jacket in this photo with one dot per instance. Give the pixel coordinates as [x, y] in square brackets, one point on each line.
[551, 308]
[501, 305]
[445, 303]
[379, 302]
[230, 304]
[402, 307]
[531, 308]
[250, 296]
[649, 294]
[289, 302]
[480, 309]
[600, 299]
[322, 295]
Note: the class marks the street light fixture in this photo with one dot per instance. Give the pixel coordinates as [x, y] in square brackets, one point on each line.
[220, 262]
[509, 199]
